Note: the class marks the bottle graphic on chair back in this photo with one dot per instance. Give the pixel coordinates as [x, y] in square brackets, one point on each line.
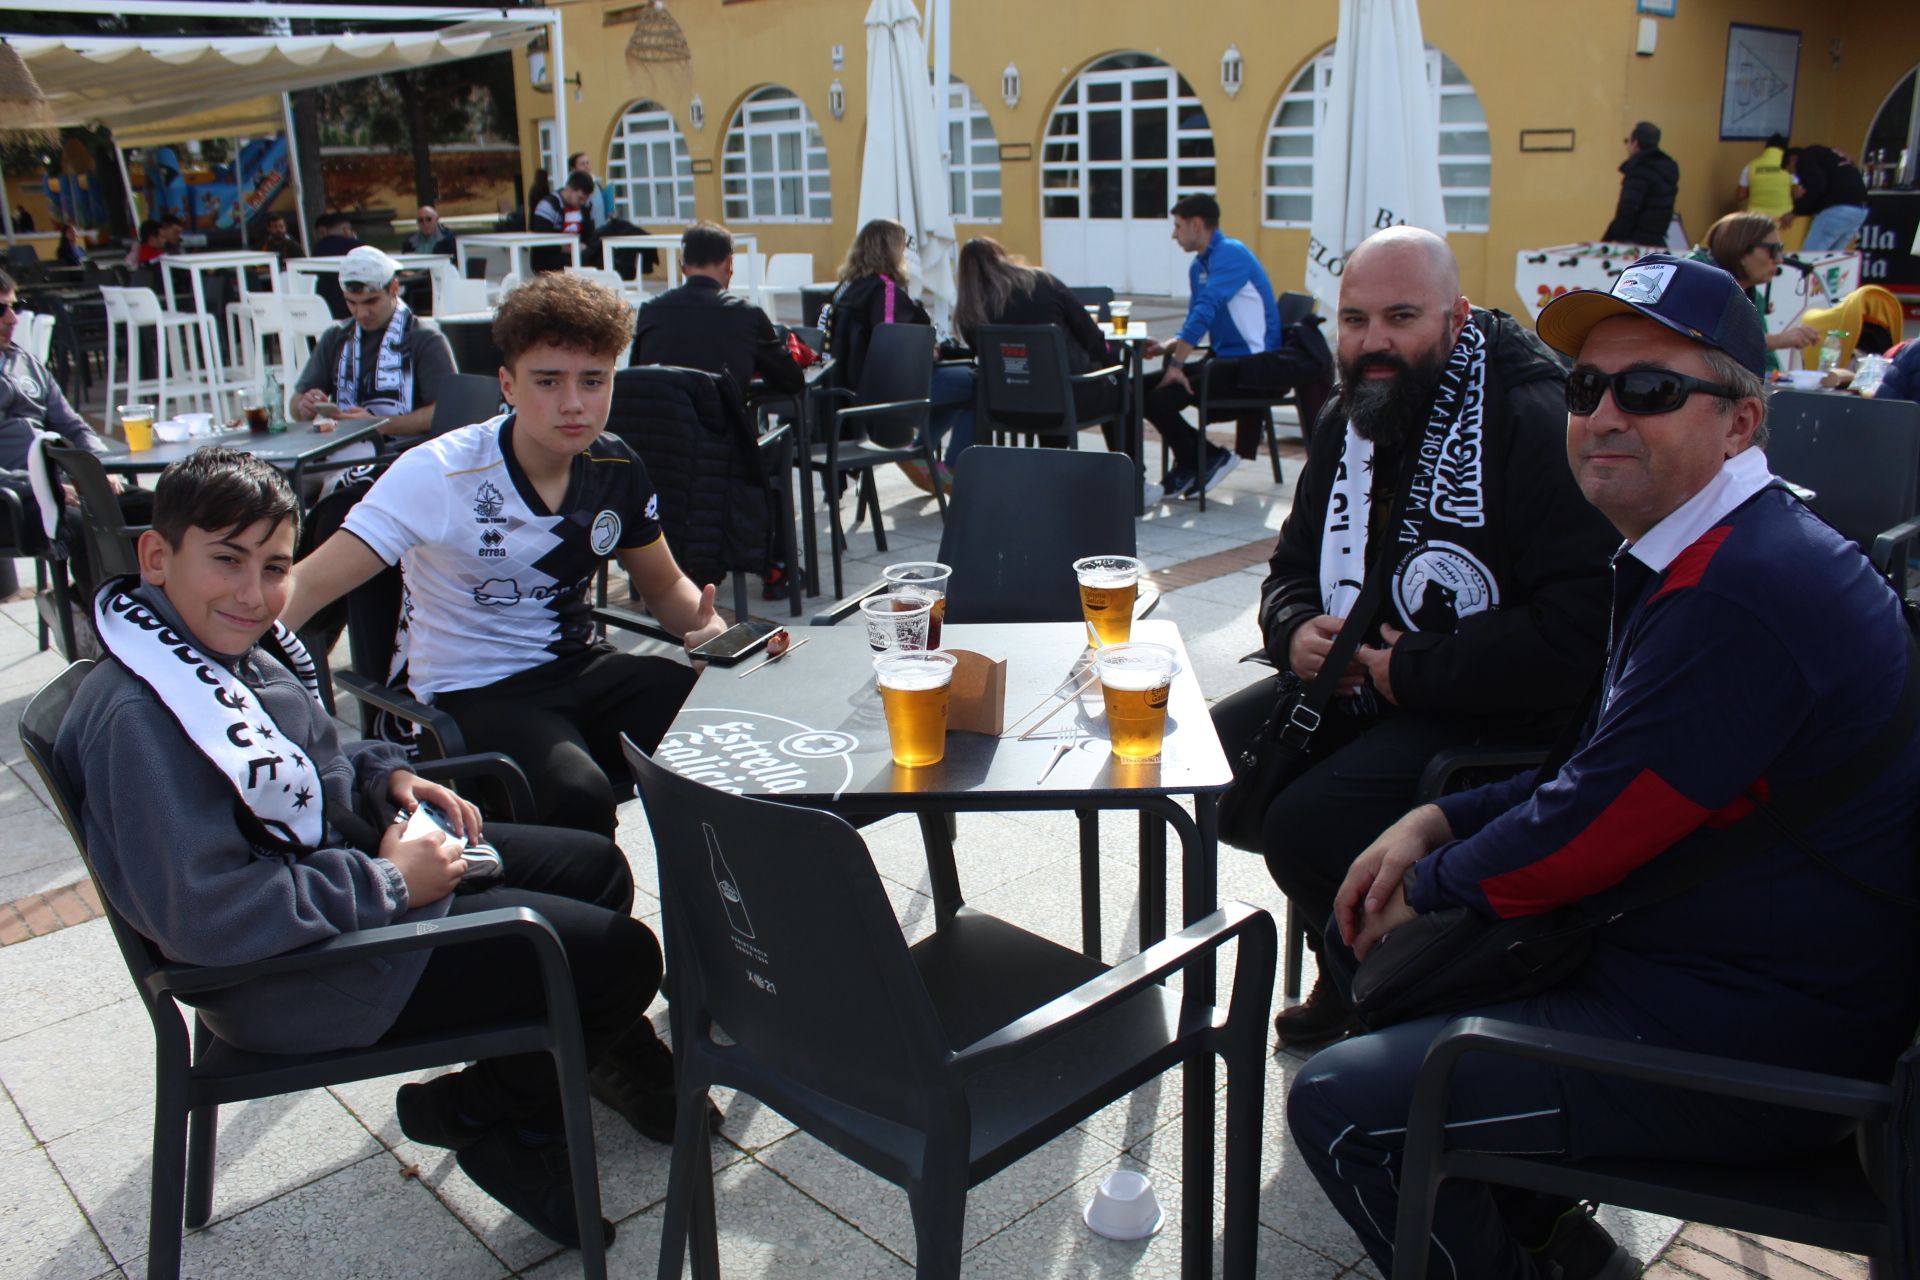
[729, 887]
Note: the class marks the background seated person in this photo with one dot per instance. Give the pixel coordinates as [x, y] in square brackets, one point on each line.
[146, 248]
[383, 361]
[278, 241]
[565, 211]
[499, 529]
[432, 236]
[246, 872]
[700, 325]
[336, 237]
[1748, 247]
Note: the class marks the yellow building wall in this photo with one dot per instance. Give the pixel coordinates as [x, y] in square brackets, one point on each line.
[1548, 64]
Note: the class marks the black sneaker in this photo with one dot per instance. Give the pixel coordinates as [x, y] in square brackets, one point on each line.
[1177, 481]
[533, 1181]
[428, 1114]
[635, 1078]
[1219, 462]
[1581, 1249]
[1324, 1016]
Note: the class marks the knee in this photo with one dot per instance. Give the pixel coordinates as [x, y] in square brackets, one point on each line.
[578, 796]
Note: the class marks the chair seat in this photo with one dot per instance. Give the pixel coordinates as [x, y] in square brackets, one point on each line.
[226, 1074]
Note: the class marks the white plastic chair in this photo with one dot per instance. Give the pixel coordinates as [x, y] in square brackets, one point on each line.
[307, 317]
[43, 325]
[180, 372]
[788, 269]
[749, 274]
[461, 297]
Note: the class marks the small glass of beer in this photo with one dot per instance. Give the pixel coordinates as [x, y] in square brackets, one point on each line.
[1108, 587]
[1119, 311]
[924, 580]
[1134, 681]
[896, 621]
[136, 424]
[913, 692]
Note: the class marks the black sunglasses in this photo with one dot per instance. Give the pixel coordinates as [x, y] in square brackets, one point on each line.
[1774, 248]
[1638, 391]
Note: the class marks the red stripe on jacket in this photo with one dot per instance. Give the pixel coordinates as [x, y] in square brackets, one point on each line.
[1691, 565]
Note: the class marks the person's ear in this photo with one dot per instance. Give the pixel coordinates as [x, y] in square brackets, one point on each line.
[506, 385]
[153, 555]
[1745, 419]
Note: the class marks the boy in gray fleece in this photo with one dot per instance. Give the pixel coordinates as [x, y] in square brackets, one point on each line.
[227, 824]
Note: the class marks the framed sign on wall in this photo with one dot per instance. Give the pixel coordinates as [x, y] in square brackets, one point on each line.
[1763, 64]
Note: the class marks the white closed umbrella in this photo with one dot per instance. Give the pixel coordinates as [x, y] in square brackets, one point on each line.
[902, 175]
[1376, 160]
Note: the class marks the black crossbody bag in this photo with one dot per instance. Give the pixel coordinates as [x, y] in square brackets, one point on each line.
[1457, 958]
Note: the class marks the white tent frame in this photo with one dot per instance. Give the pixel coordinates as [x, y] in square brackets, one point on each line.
[348, 13]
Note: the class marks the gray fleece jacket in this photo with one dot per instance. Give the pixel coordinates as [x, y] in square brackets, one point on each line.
[172, 857]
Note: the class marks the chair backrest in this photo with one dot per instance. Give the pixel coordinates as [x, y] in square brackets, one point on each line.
[109, 537]
[898, 368]
[1023, 381]
[1860, 457]
[42, 340]
[778, 930]
[304, 283]
[1095, 295]
[814, 337]
[812, 302]
[508, 283]
[307, 314]
[789, 269]
[114, 298]
[600, 275]
[1294, 307]
[458, 296]
[463, 399]
[142, 305]
[1017, 521]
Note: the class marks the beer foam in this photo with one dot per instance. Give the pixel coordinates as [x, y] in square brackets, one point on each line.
[1134, 678]
[911, 680]
[1107, 580]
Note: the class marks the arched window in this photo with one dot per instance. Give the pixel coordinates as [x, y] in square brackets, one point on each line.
[1895, 135]
[649, 173]
[1465, 146]
[973, 157]
[775, 166]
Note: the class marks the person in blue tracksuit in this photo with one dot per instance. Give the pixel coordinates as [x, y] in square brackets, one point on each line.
[1233, 312]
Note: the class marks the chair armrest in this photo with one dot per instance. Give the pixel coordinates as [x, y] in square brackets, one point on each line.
[627, 620]
[486, 764]
[831, 393]
[1889, 542]
[369, 944]
[774, 436]
[1649, 1064]
[1259, 945]
[1441, 769]
[840, 610]
[446, 733]
[15, 514]
[1112, 370]
[891, 406]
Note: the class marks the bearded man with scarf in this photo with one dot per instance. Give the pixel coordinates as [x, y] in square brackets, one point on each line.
[1441, 460]
[382, 361]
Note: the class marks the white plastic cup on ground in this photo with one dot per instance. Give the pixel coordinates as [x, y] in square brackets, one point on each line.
[1124, 1207]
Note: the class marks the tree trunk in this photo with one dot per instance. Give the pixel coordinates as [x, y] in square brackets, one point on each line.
[105, 179]
[313, 179]
[414, 102]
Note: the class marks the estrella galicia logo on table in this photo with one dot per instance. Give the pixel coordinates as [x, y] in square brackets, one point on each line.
[749, 752]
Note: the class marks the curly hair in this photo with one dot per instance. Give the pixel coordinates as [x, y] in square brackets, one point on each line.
[561, 309]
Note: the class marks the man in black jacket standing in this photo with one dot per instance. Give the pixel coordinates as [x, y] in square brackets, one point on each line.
[702, 326]
[1649, 184]
[1440, 462]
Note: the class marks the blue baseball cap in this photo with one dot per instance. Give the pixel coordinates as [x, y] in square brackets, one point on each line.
[1694, 299]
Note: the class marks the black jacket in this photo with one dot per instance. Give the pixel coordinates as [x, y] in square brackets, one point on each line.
[1053, 303]
[1825, 179]
[701, 326]
[858, 308]
[1537, 653]
[691, 429]
[1649, 184]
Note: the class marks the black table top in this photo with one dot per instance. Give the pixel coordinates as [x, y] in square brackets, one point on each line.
[809, 729]
[300, 443]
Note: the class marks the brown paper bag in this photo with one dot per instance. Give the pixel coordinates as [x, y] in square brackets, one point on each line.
[977, 701]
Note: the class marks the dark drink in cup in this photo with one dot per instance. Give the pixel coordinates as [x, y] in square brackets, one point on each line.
[257, 419]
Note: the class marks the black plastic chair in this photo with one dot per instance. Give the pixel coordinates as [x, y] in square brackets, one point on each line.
[934, 1066]
[461, 400]
[24, 536]
[886, 421]
[1861, 459]
[1026, 387]
[1096, 295]
[812, 303]
[194, 1079]
[1250, 404]
[1856, 1196]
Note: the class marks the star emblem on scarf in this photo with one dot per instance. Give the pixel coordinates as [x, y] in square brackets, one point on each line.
[263, 731]
[239, 702]
[1369, 464]
[298, 761]
[301, 797]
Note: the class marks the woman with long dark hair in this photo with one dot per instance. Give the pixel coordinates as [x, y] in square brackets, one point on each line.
[72, 251]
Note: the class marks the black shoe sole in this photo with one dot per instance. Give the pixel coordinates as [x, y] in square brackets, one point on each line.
[500, 1166]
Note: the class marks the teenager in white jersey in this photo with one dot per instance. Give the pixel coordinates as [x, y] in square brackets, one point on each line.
[499, 528]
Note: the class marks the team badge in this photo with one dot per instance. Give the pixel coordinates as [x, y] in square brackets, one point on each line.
[606, 532]
[1439, 583]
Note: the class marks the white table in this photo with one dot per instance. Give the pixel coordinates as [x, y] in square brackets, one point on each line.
[221, 378]
[438, 266]
[669, 248]
[517, 246]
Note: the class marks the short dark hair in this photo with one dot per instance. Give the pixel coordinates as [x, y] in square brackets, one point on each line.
[172, 220]
[326, 220]
[1777, 140]
[1646, 133]
[6, 283]
[1790, 154]
[705, 244]
[1205, 208]
[580, 182]
[149, 229]
[574, 159]
[217, 488]
[561, 309]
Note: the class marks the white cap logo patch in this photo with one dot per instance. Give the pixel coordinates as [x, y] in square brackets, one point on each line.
[1643, 285]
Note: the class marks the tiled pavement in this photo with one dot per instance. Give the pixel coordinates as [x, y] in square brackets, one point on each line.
[322, 1184]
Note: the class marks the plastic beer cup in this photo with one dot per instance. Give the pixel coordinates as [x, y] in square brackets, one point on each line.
[896, 621]
[136, 424]
[1134, 682]
[925, 580]
[1108, 587]
[914, 685]
[1119, 311]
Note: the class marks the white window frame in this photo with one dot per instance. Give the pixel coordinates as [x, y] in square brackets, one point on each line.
[777, 114]
[1311, 85]
[547, 146]
[966, 111]
[1073, 108]
[644, 128]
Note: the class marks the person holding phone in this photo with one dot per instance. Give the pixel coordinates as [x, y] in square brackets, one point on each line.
[383, 361]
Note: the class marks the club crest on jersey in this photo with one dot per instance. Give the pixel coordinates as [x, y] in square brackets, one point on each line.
[606, 532]
[488, 502]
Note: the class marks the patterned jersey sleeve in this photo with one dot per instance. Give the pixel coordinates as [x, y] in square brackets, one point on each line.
[406, 507]
[640, 514]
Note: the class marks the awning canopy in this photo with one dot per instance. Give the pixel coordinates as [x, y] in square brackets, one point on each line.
[150, 89]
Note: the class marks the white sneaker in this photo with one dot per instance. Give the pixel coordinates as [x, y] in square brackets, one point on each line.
[1151, 493]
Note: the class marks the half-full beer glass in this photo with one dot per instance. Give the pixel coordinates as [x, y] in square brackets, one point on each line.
[926, 579]
[1108, 587]
[913, 691]
[1134, 681]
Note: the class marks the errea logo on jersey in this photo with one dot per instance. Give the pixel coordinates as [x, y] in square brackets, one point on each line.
[606, 533]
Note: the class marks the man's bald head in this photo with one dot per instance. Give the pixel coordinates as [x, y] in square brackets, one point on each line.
[1416, 257]
[427, 214]
[1399, 316]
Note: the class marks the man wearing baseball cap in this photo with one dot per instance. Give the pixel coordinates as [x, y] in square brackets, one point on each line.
[1757, 661]
[382, 361]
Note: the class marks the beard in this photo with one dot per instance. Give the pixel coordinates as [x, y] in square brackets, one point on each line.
[1391, 412]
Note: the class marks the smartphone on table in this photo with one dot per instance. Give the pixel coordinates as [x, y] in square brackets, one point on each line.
[741, 640]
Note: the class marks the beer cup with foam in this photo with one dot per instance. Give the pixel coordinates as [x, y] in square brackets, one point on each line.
[1135, 680]
[913, 692]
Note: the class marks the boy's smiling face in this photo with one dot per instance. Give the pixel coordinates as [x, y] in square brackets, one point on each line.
[227, 585]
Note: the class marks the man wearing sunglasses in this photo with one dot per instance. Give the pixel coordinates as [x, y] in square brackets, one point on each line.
[1753, 650]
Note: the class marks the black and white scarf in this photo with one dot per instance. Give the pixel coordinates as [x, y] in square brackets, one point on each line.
[1439, 560]
[392, 370]
[224, 718]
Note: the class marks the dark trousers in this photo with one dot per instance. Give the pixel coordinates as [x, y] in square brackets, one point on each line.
[1165, 404]
[581, 885]
[1348, 1110]
[562, 723]
[1362, 782]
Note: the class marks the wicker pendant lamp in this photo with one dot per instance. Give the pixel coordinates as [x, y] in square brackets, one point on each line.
[656, 39]
[23, 104]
